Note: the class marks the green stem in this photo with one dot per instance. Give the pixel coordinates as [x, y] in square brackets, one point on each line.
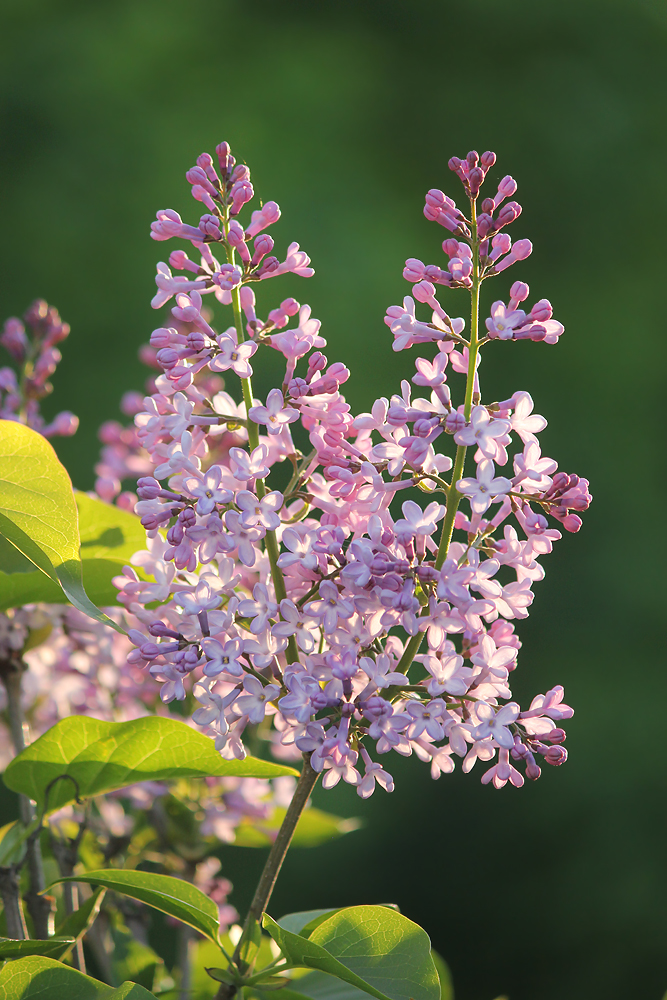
[274, 862]
[271, 542]
[453, 495]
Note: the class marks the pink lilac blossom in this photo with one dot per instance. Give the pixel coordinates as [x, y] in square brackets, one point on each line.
[317, 612]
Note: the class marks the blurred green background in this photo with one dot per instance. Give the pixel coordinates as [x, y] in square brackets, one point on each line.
[347, 111]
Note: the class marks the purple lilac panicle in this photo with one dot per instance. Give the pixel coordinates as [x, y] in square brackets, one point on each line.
[330, 614]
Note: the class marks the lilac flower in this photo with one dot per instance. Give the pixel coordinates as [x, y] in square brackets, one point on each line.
[223, 658]
[242, 538]
[275, 415]
[260, 609]
[484, 489]
[255, 511]
[208, 490]
[495, 724]
[297, 624]
[418, 522]
[482, 431]
[330, 607]
[340, 767]
[253, 703]
[234, 356]
[246, 467]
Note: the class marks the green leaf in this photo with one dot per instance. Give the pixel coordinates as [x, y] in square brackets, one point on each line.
[295, 922]
[314, 827]
[51, 947]
[38, 514]
[12, 842]
[374, 948]
[173, 896]
[78, 923]
[382, 946]
[102, 756]
[319, 986]
[301, 952]
[445, 977]
[44, 979]
[130, 959]
[109, 538]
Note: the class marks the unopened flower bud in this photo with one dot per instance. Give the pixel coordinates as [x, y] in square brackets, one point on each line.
[148, 488]
[556, 755]
[423, 291]
[196, 341]
[187, 517]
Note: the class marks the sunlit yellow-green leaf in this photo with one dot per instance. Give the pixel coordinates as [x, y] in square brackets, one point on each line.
[109, 538]
[38, 513]
[83, 756]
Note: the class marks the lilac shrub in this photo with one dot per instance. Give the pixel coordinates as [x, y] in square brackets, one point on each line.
[286, 583]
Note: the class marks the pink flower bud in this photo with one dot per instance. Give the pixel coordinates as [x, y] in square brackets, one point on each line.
[263, 244]
[519, 292]
[541, 311]
[14, 339]
[64, 424]
[556, 755]
[423, 291]
[205, 162]
[225, 158]
[507, 214]
[413, 270]
[475, 180]
[148, 488]
[209, 226]
[451, 247]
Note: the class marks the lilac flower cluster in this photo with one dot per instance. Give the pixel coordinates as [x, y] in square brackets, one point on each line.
[319, 612]
[31, 343]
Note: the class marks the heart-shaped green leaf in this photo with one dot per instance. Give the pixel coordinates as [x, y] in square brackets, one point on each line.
[44, 979]
[301, 952]
[109, 538]
[373, 948]
[102, 756]
[38, 514]
[384, 948]
[52, 947]
[174, 896]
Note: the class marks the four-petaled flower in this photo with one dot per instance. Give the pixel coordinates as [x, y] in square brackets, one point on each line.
[275, 414]
[484, 489]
